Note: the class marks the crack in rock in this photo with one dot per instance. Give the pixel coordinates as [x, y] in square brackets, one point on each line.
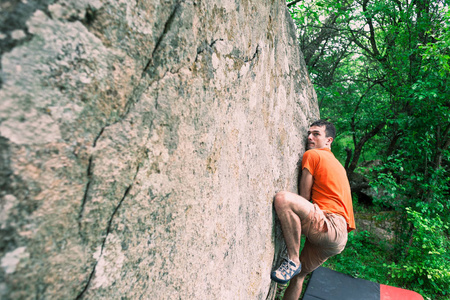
[167, 27]
[138, 90]
[94, 144]
[205, 46]
[134, 98]
[83, 203]
[255, 55]
[108, 230]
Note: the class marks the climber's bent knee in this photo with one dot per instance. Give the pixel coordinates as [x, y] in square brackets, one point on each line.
[289, 201]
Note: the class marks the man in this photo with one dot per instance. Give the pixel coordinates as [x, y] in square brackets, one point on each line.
[325, 222]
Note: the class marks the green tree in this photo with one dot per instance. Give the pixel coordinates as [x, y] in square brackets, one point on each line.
[381, 73]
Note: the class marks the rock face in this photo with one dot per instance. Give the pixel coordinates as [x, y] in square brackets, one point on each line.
[142, 143]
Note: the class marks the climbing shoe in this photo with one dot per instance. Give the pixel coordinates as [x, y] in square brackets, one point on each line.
[286, 271]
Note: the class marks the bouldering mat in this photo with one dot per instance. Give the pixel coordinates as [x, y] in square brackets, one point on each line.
[326, 284]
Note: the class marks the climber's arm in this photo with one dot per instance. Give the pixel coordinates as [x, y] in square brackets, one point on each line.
[306, 182]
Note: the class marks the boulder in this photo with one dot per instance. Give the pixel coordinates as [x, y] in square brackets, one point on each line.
[142, 143]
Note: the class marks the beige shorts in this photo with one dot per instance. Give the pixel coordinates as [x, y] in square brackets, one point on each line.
[326, 235]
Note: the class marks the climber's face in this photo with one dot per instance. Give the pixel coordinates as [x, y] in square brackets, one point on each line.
[317, 138]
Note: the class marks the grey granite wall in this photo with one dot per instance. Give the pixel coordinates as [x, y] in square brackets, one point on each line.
[141, 145]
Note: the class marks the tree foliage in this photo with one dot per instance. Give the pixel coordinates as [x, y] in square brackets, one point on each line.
[381, 72]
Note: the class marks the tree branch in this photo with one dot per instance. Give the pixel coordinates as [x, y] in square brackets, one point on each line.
[372, 40]
[293, 3]
[360, 145]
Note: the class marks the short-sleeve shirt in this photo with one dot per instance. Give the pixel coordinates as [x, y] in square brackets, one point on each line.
[330, 189]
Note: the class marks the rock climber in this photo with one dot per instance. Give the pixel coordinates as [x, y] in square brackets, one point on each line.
[325, 221]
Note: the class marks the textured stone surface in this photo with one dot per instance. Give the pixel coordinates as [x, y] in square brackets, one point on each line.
[141, 145]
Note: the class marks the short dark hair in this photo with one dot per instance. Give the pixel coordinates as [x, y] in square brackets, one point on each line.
[330, 130]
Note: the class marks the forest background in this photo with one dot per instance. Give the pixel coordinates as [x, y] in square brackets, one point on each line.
[381, 72]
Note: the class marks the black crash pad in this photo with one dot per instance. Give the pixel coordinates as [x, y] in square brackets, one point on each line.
[326, 284]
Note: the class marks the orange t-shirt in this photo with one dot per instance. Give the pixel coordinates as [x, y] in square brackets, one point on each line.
[330, 189]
